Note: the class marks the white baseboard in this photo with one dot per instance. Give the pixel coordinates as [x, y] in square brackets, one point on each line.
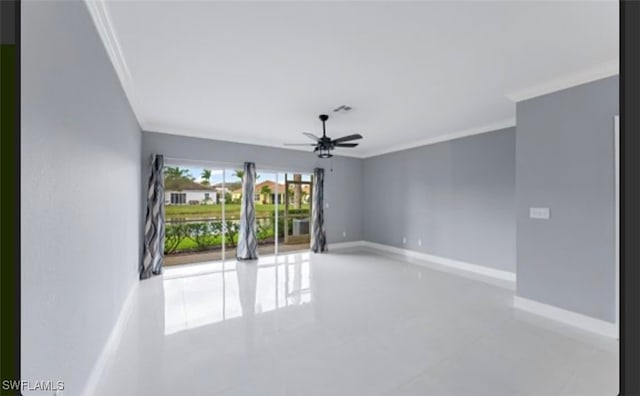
[447, 262]
[425, 259]
[346, 245]
[575, 319]
[109, 349]
[601, 327]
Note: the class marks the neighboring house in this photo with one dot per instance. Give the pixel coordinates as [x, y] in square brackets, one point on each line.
[270, 198]
[188, 193]
[191, 197]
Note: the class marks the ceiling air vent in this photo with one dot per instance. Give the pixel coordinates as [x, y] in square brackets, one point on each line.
[342, 108]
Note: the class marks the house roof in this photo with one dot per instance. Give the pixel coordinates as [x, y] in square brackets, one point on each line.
[185, 185]
[272, 186]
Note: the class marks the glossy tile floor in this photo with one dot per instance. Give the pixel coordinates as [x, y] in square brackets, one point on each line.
[215, 255]
[350, 323]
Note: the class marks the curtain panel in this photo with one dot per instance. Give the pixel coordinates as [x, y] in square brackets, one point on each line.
[318, 234]
[153, 250]
[247, 242]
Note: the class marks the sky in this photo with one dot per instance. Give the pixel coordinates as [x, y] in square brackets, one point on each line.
[216, 176]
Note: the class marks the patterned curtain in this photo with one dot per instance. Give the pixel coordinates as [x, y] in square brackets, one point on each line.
[247, 241]
[318, 235]
[153, 254]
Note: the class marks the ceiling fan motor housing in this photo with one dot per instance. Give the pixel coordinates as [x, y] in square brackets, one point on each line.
[325, 144]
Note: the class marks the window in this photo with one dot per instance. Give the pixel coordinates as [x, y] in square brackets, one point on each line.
[256, 197]
[207, 196]
[178, 198]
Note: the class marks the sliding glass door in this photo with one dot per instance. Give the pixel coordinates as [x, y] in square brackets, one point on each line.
[233, 186]
[202, 207]
[295, 213]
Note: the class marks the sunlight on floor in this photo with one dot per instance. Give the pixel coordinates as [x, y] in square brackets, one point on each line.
[225, 290]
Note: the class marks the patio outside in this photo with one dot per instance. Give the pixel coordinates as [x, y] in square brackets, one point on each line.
[203, 213]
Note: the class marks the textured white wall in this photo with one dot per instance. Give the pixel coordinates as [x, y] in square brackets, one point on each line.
[565, 162]
[80, 208]
[456, 197]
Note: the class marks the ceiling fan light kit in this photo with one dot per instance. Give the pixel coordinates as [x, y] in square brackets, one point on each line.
[325, 144]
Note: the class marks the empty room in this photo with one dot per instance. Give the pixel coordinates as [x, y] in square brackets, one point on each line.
[320, 198]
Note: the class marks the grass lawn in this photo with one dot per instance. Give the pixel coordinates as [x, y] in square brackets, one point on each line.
[231, 210]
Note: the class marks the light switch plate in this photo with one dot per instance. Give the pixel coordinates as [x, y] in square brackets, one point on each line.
[539, 213]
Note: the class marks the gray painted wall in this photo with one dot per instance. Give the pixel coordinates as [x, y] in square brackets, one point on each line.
[565, 161]
[342, 186]
[80, 193]
[457, 196]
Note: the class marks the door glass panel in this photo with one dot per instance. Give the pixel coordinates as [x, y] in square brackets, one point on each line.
[266, 190]
[296, 214]
[193, 214]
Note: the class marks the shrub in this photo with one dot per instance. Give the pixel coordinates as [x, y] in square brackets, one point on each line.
[203, 234]
[174, 234]
[232, 228]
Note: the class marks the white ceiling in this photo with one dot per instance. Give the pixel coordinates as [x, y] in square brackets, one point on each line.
[414, 72]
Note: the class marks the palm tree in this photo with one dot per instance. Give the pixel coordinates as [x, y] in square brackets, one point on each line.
[175, 172]
[206, 177]
[290, 194]
[297, 191]
[240, 174]
[266, 190]
[177, 178]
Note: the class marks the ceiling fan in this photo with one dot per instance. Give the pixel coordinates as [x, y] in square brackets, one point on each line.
[324, 145]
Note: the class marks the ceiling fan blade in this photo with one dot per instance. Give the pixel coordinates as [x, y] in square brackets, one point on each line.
[347, 138]
[346, 144]
[299, 144]
[311, 136]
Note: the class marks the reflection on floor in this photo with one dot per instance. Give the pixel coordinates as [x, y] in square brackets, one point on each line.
[215, 255]
[345, 324]
[228, 290]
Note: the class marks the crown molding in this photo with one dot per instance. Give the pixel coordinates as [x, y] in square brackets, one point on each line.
[600, 71]
[100, 15]
[102, 22]
[177, 131]
[506, 123]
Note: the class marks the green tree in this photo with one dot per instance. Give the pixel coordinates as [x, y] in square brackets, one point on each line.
[176, 178]
[266, 190]
[290, 193]
[176, 173]
[239, 174]
[206, 177]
